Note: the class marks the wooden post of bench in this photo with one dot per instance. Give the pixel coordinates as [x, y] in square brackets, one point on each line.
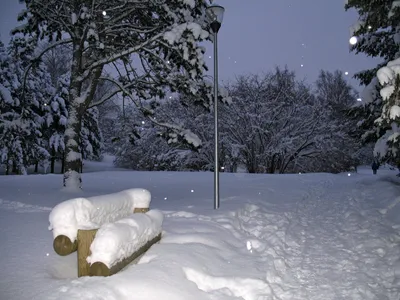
[63, 246]
[140, 210]
[100, 269]
[85, 239]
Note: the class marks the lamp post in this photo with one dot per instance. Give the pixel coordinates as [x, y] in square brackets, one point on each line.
[215, 14]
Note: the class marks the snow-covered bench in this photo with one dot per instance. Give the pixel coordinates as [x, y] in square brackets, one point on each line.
[105, 231]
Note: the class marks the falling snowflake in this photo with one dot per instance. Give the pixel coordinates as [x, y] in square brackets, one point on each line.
[249, 246]
[353, 40]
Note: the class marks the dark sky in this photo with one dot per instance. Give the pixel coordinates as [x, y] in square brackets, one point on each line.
[257, 35]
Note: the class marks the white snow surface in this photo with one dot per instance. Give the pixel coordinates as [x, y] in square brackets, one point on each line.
[5, 94]
[387, 76]
[394, 112]
[395, 4]
[88, 213]
[116, 241]
[174, 35]
[279, 237]
[369, 93]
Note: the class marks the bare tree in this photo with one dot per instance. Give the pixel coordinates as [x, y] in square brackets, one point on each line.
[273, 121]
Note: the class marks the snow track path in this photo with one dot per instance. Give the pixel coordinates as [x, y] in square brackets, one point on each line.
[333, 243]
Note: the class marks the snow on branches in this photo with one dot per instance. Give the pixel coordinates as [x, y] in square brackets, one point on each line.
[151, 45]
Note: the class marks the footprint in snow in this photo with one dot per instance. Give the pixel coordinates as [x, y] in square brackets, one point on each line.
[20, 207]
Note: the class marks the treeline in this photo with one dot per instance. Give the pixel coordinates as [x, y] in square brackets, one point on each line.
[275, 124]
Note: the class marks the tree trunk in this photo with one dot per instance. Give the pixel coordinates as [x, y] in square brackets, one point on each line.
[36, 167]
[271, 167]
[73, 157]
[14, 167]
[81, 163]
[79, 101]
[7, 169]
[72, 177]
[52, 160]
[62, 162]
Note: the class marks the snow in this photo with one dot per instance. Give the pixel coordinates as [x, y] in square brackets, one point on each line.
[191, 3]
[74, 18]
[308, 236]
[191, 138]
[74, 181]
[394, 112]
[387, 75]
[174, 35]
[395, 4]
[72, 155]
[116, 241]
[356, 27]
[5, 94]
[88, 213]
[387, 92]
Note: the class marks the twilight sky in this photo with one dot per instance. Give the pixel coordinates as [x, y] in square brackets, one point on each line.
[258, 35]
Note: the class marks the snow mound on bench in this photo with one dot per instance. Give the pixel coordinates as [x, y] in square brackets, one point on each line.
[116, 241]
[89, 213]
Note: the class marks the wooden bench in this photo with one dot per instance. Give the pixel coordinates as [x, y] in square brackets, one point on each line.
[76, 222]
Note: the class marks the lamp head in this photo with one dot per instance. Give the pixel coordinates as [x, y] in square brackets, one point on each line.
[215, 15]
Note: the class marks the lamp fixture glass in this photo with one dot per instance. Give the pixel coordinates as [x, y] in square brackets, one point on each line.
[215, 13]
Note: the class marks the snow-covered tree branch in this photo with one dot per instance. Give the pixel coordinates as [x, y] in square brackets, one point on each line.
[159, 40]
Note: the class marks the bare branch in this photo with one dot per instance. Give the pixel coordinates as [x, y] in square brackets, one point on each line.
[119, 55]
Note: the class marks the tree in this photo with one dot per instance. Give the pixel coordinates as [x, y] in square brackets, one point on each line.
[56, 122]
[337, 98]
[90, 139]
[153, 44]
[146, 146]
[57, 60]
[23, 124]
[139, 144]
[110, 118]
[278, 121]
[7, 112]
[388, 146]
[377, 31]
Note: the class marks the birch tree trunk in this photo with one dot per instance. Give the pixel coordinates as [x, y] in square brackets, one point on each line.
[73, 157]
[81, 93]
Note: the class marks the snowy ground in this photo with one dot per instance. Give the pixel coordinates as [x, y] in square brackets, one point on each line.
[308, 236]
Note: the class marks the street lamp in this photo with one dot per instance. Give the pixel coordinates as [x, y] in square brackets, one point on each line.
[215, 14]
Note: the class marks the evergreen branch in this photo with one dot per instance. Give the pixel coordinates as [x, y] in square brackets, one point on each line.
[37, 58]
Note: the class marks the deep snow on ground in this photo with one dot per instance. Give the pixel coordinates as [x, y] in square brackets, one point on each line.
[299, 236]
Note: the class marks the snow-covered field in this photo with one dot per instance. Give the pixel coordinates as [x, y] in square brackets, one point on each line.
[301, 236]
